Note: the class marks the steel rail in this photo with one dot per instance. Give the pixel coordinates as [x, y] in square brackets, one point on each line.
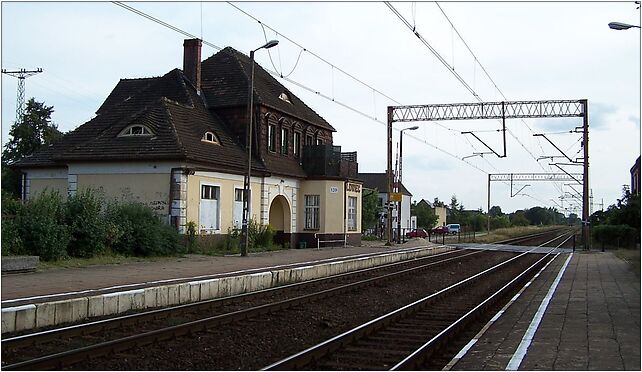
[416, 358]
[59, 360]
[150, 315]
[301, 359]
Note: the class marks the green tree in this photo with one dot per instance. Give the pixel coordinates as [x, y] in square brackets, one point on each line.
[518, 219]
[426, 217]
[370, 209]
[32, 132]
[495, 211]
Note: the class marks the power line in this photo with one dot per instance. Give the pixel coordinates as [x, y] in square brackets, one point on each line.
[433, 50]
[276, 74]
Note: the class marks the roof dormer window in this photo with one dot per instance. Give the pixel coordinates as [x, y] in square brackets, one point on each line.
[135, 130]
[211, 138]
[284, 97]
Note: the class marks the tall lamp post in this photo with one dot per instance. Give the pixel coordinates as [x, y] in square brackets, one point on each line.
[245, 237]
[399, 181]
[621, 26]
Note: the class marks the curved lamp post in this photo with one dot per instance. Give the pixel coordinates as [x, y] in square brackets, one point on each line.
[246, 187]
[621, 26]
[399, 181]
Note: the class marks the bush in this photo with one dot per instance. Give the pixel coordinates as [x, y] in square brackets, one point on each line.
[615, 235]
[192, 244]
[140, 231]
[260, 235]
[86, 224]
[11, 241]
[40, 224]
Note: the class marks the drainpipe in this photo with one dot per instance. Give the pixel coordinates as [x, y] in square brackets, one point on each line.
[345, 210]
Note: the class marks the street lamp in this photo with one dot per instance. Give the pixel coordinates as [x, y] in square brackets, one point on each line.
[245, 238]
[621, 26]
[399, 181]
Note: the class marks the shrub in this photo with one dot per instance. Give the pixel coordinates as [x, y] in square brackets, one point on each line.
[140, 231]
[11, 241]
[260, 235]
[86, 223]
[40, 223]
[615, 235]
[191, 236]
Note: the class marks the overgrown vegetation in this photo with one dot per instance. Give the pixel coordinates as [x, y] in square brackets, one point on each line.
[260, 239]
[83, 226]
[619, 225]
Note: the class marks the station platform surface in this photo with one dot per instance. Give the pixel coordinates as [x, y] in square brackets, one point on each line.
[592, 321]
[61, 283]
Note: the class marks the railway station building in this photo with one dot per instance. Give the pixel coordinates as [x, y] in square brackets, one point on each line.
[178, 143]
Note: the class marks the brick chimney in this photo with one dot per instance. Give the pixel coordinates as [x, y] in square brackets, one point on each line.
[192, 61]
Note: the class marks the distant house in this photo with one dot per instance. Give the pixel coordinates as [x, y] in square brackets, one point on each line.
[635, 177]
[178, 143]
[440, 212]
[379, 181]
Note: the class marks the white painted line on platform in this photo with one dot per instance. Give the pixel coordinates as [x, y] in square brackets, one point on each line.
[498, 315]
[520, 353]
[18, 308]
[194, 278]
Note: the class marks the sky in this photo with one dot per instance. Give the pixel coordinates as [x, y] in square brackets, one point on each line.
[349, 61]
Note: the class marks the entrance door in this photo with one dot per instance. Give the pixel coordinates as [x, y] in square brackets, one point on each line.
[280, 219]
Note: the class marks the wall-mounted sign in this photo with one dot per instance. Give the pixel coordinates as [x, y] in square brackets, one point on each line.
[353, 187]
[334, 189]
[395, 196]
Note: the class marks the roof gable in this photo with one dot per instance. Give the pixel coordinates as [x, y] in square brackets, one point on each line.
[379, 181]
[225, 81]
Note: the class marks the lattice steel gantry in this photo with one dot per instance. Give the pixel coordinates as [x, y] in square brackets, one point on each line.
[498, 110]
[21, 75]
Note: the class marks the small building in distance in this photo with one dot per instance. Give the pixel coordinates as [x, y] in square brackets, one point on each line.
[439, 210]
[379, 181]
[635, 177]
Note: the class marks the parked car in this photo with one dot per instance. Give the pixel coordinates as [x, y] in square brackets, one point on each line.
[453, 228]
[440, 230]
[417, 233]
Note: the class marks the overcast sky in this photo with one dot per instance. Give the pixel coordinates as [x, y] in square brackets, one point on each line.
[532, 51]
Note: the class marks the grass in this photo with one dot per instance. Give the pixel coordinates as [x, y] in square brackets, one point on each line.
[512, 232]
[632, 257]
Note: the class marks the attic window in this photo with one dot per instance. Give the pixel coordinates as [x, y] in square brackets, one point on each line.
[284, 97]
[210, 137]
[136, 130]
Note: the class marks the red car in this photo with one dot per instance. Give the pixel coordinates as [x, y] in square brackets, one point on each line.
[440, 230]
[417, 233]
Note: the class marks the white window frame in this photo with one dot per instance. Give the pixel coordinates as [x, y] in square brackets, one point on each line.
[128, 132]
[217, 229]
[271, 140]
[312, 212]
[211, 138]
[297, 144]
[352, 213]
[285, 137]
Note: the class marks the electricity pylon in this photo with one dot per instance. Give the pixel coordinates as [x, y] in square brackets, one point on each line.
[21, 74]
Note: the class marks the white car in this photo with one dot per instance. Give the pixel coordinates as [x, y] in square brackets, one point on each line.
[453, 228]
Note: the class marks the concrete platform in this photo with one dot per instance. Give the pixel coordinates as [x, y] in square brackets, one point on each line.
[592, 321]
[54, 297]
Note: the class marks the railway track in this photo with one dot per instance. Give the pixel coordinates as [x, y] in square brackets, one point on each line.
[61, 348]
[409, 337]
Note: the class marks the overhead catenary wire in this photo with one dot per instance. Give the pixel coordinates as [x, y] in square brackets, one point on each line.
[278, 75]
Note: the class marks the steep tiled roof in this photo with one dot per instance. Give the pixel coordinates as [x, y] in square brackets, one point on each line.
[379, 181]
[170, 108]
[225, 82]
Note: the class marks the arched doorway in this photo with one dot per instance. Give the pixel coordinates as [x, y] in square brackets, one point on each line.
[280, 219]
